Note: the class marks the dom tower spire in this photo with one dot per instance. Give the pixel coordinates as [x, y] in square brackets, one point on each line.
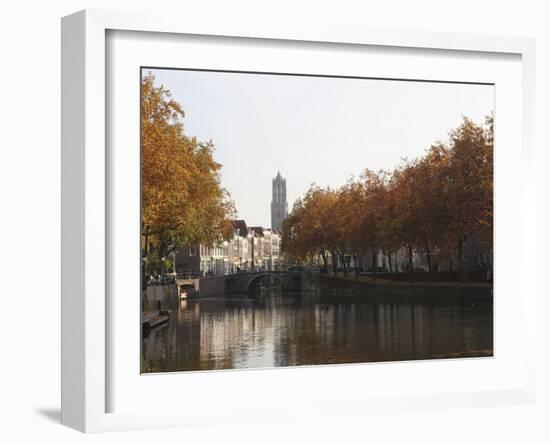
[279, 206]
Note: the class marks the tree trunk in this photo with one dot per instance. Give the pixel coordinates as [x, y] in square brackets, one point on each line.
[146, 263]
[343, 258]
[374, 264]
[411, 262]
[461, 268]
[325, 261]
[356, 266]
[334, 261]
[390, 266]
[429, 258]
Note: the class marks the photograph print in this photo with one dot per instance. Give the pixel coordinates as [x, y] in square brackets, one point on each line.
[292, 220]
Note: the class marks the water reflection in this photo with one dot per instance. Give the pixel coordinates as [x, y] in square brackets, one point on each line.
[274, 329]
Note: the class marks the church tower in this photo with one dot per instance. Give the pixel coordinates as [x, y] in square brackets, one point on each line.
[279, 206]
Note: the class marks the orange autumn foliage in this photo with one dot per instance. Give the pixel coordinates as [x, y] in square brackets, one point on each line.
[434, 202]
[182, 200]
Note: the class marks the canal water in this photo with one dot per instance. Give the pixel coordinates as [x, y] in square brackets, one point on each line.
[274, 329]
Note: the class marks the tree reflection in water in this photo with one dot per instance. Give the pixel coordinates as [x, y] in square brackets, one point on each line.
[281, 329]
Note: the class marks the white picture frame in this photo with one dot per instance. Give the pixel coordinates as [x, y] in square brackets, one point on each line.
[86, 356]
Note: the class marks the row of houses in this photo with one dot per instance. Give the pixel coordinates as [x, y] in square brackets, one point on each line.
[259, 248]
[250, 248]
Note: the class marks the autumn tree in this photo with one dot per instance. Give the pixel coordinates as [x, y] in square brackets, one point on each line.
[468, 185]
[350, 211]
[310, 229]
[374, 212]
[390, 229]
[182, 200]
[430, 205]
[428, 212]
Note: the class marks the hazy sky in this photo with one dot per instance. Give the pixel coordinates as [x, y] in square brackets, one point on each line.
[314, 130]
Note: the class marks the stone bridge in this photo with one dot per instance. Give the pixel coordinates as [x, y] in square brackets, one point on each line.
[248, 282]
[283, 277]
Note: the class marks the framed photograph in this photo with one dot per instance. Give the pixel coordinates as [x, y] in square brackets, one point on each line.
[252, 212]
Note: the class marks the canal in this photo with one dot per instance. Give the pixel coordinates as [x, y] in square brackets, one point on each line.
[274, 329]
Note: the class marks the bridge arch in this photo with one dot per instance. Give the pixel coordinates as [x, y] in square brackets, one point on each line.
[257, 277]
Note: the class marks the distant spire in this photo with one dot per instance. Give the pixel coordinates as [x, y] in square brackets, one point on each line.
[279, 205]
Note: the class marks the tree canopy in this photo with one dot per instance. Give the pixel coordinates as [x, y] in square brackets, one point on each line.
[436, 201]
[182, 200]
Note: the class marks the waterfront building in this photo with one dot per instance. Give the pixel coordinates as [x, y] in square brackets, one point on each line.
[249, 248]
[238, 253]
[256, 246]
[202, 259]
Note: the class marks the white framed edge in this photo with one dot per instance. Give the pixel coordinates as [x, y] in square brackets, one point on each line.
[84, 233]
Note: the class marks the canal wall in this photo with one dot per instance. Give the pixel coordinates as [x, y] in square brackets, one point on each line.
[224, 285]
[381, 289]
[160, 297]
[166, 295]
[306, 282]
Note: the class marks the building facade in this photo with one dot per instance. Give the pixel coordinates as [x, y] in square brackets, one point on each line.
[249, 249]
[279, 205]
[267, 248]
